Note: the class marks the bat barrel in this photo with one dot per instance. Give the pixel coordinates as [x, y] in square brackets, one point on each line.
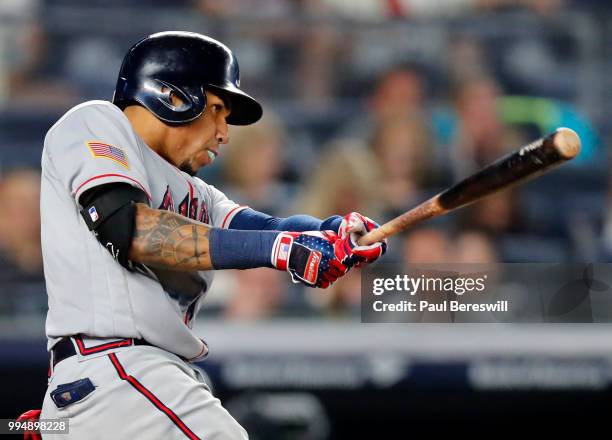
[530, 161]
[517, 167]
[567, 142]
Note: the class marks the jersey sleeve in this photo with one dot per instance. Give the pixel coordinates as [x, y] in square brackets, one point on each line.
[95, 145]
[221, 209]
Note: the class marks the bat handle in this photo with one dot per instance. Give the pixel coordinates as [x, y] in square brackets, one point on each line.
[426, 210]
[373, 236]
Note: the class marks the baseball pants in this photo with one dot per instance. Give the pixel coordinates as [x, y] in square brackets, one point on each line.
[138, 392]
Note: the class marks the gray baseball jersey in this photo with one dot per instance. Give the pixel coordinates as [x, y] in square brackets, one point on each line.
[89, 292]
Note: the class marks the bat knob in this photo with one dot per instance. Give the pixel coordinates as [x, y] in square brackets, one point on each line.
[567, 142]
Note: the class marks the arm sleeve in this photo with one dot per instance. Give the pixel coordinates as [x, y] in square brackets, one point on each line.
[249, 219]
[94, 145]
[227, 214]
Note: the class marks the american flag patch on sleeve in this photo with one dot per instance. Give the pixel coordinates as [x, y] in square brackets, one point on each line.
[100, 150]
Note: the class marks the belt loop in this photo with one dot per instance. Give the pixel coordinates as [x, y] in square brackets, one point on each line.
[74, 340]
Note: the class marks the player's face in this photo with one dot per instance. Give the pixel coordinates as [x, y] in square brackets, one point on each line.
[197, 144]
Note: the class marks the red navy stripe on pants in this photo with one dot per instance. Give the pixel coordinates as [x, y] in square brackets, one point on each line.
[152, 398]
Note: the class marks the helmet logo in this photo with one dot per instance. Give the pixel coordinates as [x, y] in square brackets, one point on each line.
[165, 91]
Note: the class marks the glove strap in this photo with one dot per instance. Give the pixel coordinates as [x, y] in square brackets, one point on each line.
[281, 250]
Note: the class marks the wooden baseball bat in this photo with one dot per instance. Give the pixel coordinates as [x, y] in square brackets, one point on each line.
[517, 167]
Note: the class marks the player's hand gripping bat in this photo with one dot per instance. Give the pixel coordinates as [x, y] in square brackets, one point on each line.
[526, 163]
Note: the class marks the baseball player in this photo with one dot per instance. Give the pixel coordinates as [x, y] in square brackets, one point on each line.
[131, 237]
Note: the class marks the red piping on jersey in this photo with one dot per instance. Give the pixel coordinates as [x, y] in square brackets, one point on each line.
[190, 191]
[152, 398]
[229, 214]
[114, 175]
[98, 348]
[204, 348]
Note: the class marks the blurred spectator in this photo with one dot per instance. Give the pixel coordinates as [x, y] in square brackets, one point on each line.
[467, 58]
[405, 155]
[495, 214]
[316, 69]
[341, 299]
[376, 10]
[252, 166]
[256, 294]
[267, 39]
[399, 92]
[426, 245]
[17, 29]
[21, 271]
[346, 179]
[81, 65]
[238, 8]
[476, 255]
[473, 247]
[394, 125]
[20, 220]
[434, 245]
[422, 247]
[480, 136]
[23, 54]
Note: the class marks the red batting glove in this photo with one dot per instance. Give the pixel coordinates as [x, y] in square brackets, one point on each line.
[32, 415]
[352, 228]
[310, 257]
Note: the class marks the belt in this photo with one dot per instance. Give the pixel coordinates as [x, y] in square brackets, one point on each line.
[65, 348]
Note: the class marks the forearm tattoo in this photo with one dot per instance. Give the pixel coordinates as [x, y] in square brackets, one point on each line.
[169, 240]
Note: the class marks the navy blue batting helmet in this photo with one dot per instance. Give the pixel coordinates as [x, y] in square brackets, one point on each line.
[186, 64]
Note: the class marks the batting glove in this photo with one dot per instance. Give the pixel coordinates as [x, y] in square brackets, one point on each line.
[31, 416]
[312, 258]
[352, 228]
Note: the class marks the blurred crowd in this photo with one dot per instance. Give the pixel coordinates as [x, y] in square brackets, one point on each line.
[369, 106]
